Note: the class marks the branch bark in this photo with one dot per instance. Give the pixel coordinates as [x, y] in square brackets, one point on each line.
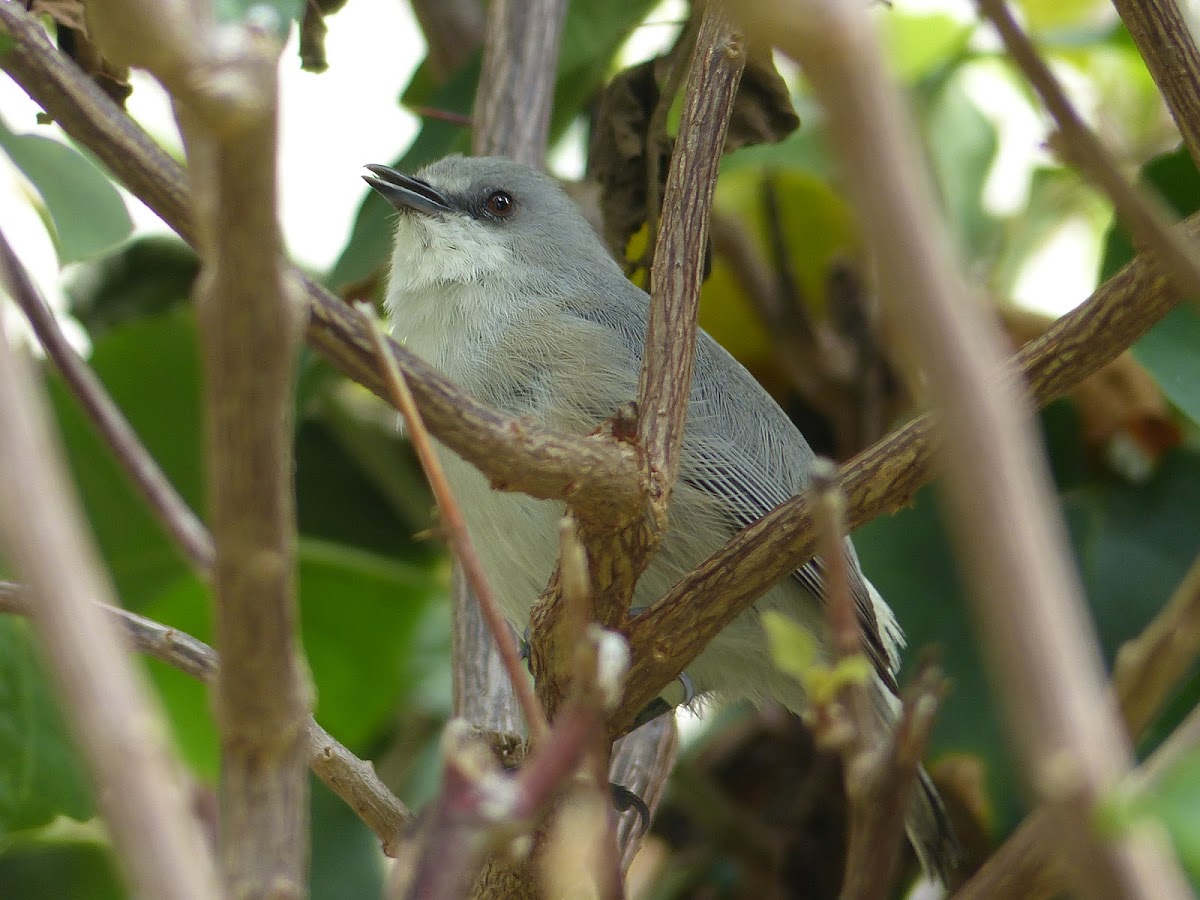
[118, 730]
[1163, 36]
[666, 378]
[1028, 606]
[249, 313]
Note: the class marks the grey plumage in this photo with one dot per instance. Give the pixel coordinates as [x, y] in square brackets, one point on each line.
[522, 305]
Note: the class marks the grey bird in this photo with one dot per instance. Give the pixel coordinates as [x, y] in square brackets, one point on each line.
[498, 280]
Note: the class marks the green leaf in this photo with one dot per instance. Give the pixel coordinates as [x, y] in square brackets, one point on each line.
[151, 369]
[359, 619]
[793, 647]
[1170, 351]
[346, 859]
[962, 145]
[1173, 800]
[39, 775]
[87, 212]
[919, 43]
[67, 869]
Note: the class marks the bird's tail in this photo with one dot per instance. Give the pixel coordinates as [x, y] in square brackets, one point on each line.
[929, 829]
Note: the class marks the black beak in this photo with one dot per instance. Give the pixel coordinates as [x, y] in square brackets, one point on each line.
[405, 192]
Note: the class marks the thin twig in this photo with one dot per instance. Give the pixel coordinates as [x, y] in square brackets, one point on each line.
[456, 530]
[117, 728]
[160, 495]
[1147, 219]
[351, 778]
[1027, 600]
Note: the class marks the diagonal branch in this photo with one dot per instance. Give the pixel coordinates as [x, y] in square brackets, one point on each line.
[116, 726]
[172, 511]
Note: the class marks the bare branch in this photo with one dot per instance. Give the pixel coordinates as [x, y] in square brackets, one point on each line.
[456, 527]
[1163, 35]
[116, 726]
[878, 786]
[516, 86]
[666, 376]
[1147, 219]
[351, 778]
[164, 501]
[1029, 608]
[223, 83]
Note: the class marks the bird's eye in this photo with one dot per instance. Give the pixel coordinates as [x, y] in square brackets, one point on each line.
[499, 204]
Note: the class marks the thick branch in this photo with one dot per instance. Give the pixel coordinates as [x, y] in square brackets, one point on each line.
[516, 86]
[225, 93]
[1163, 36]
[1031, 617]
[116, 726]
[351, 778]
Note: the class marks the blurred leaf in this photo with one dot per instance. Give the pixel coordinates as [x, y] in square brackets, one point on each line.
[359, 617]
[346, 859]
[143, 278]
[1141, 541]
[817, 228]
[39, 775]
[1171, 349]
[593, 32]
[88, 213]
[1173, 800]
[962, 145]
[151, 369]
[61, 869]
[1045, 15]
[793, 647]
[919, 43]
